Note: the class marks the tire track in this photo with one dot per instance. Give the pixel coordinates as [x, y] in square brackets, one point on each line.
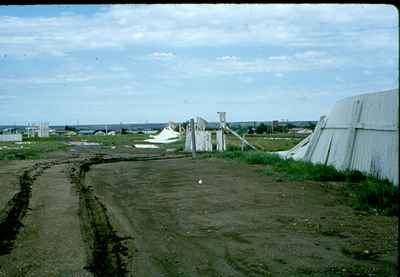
[107, 252]
[12, 215]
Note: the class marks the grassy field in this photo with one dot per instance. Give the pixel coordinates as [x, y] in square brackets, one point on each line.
[264, 142]
[38, 148]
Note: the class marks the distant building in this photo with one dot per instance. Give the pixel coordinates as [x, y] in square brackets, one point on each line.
[11, 137]
[150, 132]
[86, 132]
[43, 131]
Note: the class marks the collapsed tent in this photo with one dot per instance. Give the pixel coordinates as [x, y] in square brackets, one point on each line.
[167, 135]
[361, 133]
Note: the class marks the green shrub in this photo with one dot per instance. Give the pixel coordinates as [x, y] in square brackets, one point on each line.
[374, 195]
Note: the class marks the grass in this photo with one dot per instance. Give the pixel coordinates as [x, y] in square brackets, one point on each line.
[116, 140]
[39, 148]
[32, 151]
[375, 196]
[367, 193]
[264, 142]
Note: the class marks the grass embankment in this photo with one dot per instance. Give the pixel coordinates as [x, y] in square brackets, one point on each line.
[365, 192]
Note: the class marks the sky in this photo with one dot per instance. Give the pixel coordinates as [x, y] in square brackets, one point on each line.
[157, 63]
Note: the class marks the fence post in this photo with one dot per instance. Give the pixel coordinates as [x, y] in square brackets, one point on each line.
[193, 135]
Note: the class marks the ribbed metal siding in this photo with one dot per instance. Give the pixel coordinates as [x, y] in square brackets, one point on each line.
[376, 149]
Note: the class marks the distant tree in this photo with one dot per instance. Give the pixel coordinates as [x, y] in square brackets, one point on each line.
[290, 125]
[69, 128]
[262, 128]
[279, 129]
[250, 130]
[311, 125]
[124, 131]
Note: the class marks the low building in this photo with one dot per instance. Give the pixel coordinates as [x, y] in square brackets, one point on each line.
[11, 137]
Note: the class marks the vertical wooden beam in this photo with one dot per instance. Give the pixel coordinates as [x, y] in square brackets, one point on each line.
[222, 119]
[355, 118]
[315, 138]
[193, 135]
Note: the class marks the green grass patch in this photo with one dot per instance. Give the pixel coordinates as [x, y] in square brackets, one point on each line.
[126, 139]
[33, 151]
[367, 193]
[375, 196]
[263, 142]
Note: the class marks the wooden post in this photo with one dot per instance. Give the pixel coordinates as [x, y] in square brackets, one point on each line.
[315, 137]
[356, 112]
[193, 135]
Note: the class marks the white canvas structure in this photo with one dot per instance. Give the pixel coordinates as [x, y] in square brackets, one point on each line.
[43, 131]
[221, 140]
[172, 125]
[201, 124]
[360, 133]
[203, 141]
[167, 135]
[11, 137]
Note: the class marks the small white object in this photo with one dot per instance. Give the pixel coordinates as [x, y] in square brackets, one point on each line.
[145, 146]
[200, 182]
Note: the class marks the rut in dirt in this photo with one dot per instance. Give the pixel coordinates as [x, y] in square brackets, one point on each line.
[107, 252]
[11, 217]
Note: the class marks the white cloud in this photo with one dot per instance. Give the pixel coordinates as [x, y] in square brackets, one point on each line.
[123, 26]
[278, 58]
[162, 55]
[310, 55]
[228, 58]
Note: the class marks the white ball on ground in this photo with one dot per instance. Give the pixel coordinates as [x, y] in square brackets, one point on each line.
[200, 182]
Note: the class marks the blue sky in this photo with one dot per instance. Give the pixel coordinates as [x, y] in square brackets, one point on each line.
[156, 63]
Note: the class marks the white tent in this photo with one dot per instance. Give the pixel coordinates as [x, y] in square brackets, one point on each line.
[360, 133]
[167, 135]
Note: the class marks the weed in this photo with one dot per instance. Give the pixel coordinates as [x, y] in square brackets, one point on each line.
[377, 196]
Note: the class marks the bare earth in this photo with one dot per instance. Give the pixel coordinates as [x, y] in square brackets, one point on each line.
[236, 222]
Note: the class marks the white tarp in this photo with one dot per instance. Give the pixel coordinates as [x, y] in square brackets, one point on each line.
[202, 139]
[151, 146]
[360, 133]
[167, 135]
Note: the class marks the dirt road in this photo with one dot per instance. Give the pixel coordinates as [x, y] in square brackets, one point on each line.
[238, 222]
[50, 243]
[156, 218]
